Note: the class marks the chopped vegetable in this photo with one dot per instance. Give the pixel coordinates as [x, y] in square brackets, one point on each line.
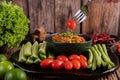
[29, 61]
[42, 50]
[28, 47]
[37, 60]
[29, 53]
[22, 58]
[50, 55]
[35, 50]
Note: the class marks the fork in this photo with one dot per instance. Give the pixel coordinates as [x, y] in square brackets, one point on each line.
[81, 14]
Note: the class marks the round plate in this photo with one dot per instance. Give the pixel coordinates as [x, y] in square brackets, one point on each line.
[82, 73]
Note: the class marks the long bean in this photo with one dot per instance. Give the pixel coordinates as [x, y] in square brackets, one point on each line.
[90, 60]
[96, 56]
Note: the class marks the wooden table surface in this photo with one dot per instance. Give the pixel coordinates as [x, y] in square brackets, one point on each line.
[111, 76]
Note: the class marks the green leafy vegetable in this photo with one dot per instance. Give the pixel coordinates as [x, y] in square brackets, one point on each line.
[84, 8]
[13, 24]
[68, 34]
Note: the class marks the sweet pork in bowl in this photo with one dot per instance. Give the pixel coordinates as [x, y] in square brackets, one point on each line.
[68, 43]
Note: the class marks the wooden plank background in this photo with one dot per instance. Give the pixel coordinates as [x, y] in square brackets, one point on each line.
[52, 14]
[103, 17]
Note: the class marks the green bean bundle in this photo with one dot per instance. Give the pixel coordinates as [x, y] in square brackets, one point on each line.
[98, 56]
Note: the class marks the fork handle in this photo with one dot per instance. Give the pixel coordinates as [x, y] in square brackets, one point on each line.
[89, 1]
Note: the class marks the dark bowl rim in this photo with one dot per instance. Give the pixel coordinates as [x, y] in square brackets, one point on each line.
[68, 43]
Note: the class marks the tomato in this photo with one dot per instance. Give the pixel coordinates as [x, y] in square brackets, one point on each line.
[46, 63]
[118, 46]
[62, 58]
[68, 65]
[74, 56]
[5, 66]
[76, 64]
[83, 64]
[71, 24]
[57, 64]
[82, 57]
[15, 74]
[118, 50]
[3, 57]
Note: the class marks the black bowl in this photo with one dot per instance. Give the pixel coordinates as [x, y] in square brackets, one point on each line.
[116, 39]
[68, 48]
[114, 49]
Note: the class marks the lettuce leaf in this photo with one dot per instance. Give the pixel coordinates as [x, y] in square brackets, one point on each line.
[14, 24]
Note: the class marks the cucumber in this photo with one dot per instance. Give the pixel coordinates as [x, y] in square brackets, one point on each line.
[29, 60]
[27, 51]
[35, 51]
[22, 58]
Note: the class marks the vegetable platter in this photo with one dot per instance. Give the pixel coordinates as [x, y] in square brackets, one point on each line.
[93, 59]
[35, 68]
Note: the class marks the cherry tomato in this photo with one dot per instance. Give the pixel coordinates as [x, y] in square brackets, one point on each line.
[46, 63]
[83, 64]
[62, 58]
[82, 57]
[118, 50]
[57, 64]
[71, 24]
[76, 64]
[74, 56]
[118, 46]
[68, 65]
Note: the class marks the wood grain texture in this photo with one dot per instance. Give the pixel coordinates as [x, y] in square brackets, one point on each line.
[23, 4]
[1, 1]
[41, 13]
[102, 17]
[118, 73]
[64, 10]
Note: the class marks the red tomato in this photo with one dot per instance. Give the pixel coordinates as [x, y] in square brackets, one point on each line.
[62, 58]
[71, 24]
[74, 56]
[57, 64]
[118, 46]
[76, 64]
[83, 64]
[118, 50]
[82, 57]
[68, 65]
[46, 63]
